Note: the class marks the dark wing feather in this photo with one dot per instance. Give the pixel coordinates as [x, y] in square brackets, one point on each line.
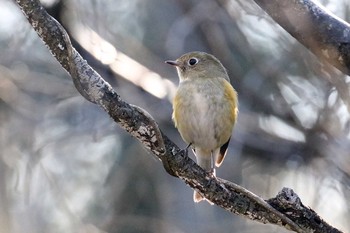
[222, 153]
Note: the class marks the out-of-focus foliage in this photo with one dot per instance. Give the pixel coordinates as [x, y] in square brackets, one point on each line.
[65, 166]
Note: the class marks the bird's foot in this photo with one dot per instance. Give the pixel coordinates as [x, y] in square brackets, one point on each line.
[212, 172]
[185, 151]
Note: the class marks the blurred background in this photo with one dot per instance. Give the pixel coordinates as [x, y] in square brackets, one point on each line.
[65, 166]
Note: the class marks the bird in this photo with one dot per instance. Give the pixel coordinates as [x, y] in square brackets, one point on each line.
[205, 108]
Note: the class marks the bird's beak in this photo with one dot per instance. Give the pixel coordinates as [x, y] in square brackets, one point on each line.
[173, 63]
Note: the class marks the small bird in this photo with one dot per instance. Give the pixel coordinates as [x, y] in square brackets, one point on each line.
[205, 108]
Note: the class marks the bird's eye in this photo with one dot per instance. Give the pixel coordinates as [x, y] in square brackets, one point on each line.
[193, 61]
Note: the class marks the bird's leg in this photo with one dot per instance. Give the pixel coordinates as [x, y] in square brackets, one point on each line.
[188, 146]
[212, 169]
[185, 150]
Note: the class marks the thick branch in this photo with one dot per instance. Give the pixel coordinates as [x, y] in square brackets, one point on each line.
[324, 34]
[289, 203]
[142, 126]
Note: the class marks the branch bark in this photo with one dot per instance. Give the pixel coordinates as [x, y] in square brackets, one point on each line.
[323, 33]
[285, 209]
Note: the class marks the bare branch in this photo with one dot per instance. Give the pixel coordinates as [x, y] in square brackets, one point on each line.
[305, 217]
[142, 126]
[323, 33]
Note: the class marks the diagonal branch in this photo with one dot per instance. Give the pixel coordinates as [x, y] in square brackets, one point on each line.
[284, 210]
[323, 33]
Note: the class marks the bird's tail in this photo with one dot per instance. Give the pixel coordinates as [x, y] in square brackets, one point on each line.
[204, 161]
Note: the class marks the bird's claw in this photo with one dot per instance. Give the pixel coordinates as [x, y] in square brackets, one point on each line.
[212, 172]
[185, 151]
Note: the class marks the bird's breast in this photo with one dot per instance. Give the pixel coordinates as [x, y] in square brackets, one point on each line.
[201, 113]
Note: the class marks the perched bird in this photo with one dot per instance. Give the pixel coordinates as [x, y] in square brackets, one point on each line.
[204, 108]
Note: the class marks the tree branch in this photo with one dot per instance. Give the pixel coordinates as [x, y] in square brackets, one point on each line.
[323, 33]
[285, 210]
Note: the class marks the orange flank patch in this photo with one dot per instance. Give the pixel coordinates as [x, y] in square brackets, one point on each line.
[231, 96]
[176, 105]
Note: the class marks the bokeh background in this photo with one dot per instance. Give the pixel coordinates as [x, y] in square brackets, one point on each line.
[65, 166]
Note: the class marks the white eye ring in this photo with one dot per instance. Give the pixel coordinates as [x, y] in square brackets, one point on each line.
[192, 61]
